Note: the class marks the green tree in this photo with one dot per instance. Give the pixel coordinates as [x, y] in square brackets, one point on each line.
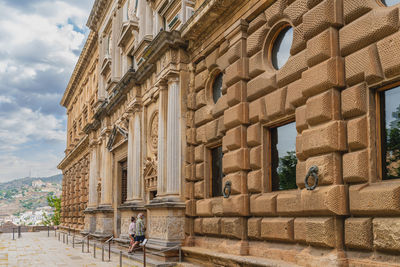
[54, 202]
[287, 171]
[393, 144]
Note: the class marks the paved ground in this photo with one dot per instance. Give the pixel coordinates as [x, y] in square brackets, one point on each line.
[36, 249]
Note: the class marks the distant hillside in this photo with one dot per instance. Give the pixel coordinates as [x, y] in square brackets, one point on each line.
[27, 181]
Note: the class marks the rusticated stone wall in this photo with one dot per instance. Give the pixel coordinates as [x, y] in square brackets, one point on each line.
[74, 198]
[342, 51]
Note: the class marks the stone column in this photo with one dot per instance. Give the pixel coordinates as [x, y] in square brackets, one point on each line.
[162, 130]
[173, 138]
[93, 175]
[106, 177]
[141, 14]
[134, 191]
[149, 19]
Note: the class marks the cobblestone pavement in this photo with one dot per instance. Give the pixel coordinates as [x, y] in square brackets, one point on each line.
[36, 249]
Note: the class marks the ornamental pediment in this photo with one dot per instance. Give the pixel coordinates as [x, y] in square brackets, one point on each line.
[118, 134]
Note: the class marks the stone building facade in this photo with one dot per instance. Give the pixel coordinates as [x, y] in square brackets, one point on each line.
[209, 115]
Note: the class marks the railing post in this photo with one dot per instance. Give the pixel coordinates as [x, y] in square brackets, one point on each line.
[63, 238]
[73, 242]
[180, 254]
[58, 236]
[109, 250]
[144, 256]
[120, 258]
[83, 244]
[69, 230]
[48, 231]
[19, 231]
[55, 231]
[67, 239]
[88, 244]
[102, 252]
[13, 233]
[94, 249]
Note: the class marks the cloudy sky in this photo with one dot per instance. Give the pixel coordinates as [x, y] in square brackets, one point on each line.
[40, 42]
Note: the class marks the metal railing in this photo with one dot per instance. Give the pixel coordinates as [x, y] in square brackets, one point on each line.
[109, 248]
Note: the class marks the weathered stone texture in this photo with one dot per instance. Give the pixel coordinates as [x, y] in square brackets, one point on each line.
[358, 233]
[387, 234]
[277, 229]
[355, 166]
[354, 101]
[389, 54]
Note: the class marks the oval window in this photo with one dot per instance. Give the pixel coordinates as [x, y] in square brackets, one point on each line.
[217, 87]
[390, 2]
[281, 47]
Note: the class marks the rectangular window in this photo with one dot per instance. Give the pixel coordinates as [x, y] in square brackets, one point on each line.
[124, 181]
[216, 171]
[282, 157]
[389, 101]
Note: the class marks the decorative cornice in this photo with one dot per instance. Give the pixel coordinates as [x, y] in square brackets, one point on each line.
[81, 146]
[83, 62]
[98, 10]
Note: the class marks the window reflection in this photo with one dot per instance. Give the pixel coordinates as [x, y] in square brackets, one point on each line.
[390, 133]
[283, 157]
[217, 87]
[216, 171]
[390, 2]
[281, 47]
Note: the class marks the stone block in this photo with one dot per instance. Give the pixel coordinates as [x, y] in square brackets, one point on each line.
[356, 8]
[275, 103]
[358, 233]
[201, 99]
[326, 14]
[236, 93]
[292, 70]
[255, 158]
[357, 134]
[191, 136]
[256, 65]
[236, 160]
[321, 231]
[323, 76]
[200, 80]
[199, 171]
[221, 127]
[198, 223]
[387, 234]
[375, 199]
[199, 153]
[299, 148]
[189, 174]
[389, 55]
[313, 3]
[190, 207]
[299, 43]
[254, 135]
[256, 23]
[323, 107]
[301, 172]
[203, 115]
[232, 227]
[191, 101]
[204, 207]
[375, 25]
[329, 168]
[235, 138]
[322, 47]
[300, 230]
[219, 107]
[354, 101]
[355, 167]
[330, 137]
[295, 96]
[212, 131]
[189, 192]
[280, 229]
[237, 179]
[261, 85]
[325, 200]
[257, 110]
[211, 59]
[263, 204]
[289, 203]
[296, 10]
[236, 115]
[211, 226]
[201, 65]
[237, 71]
[254, 228]
[274, 12]
[363, 65]
[199, 190]
[255, 41]
[301, 122]
[236, 205]
[236, 51]
[254, 181]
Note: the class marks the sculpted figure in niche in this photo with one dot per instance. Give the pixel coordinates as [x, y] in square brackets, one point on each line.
[154, 132]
